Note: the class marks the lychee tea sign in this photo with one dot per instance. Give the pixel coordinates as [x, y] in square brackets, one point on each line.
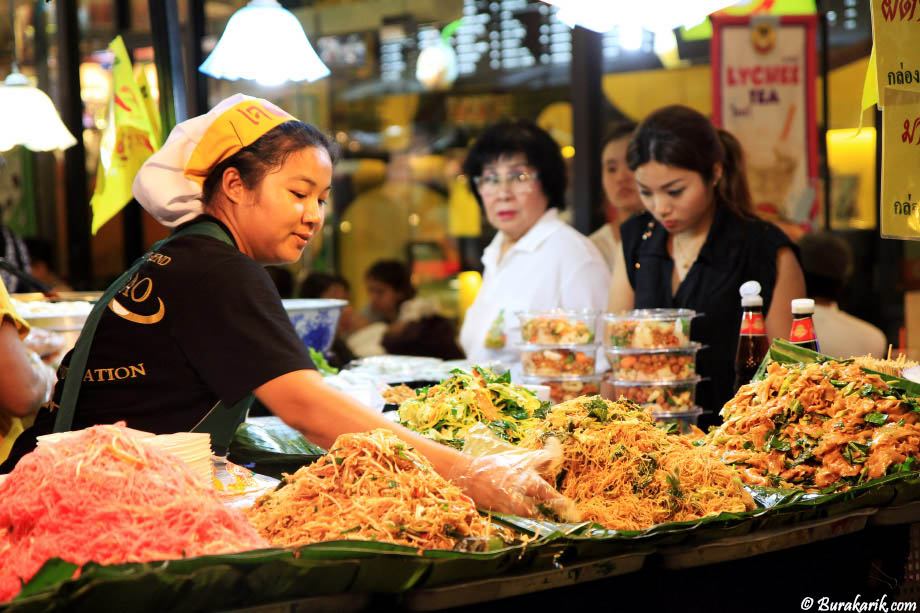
[763, 77]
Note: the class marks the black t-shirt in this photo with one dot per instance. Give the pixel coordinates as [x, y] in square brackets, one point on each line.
[736, 250]
[199, 322]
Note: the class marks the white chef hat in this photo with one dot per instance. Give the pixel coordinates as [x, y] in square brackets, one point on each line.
[169, 184]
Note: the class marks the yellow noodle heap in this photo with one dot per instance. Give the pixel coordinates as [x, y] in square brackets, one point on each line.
[625, 473]
[373, 487]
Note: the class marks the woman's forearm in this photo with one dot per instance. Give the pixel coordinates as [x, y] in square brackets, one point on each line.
[22, 388]
[322, 413]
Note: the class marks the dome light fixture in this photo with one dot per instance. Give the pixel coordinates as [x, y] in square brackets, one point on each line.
[27, 115]
[266, 43]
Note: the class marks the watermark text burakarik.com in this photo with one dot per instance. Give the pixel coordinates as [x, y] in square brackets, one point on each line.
[858, 604]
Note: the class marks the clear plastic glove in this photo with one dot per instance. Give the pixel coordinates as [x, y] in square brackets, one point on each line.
[45, 343]
[44, 372]
[501, 477]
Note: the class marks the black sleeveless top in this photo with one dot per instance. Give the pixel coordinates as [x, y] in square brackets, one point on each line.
[736, 250]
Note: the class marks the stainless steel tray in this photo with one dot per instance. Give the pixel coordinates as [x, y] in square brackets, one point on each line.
[756, 543]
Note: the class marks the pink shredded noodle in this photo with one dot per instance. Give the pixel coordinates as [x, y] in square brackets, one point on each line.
[105, 496]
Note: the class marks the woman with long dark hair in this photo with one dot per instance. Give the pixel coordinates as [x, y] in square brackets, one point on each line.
[699, 241]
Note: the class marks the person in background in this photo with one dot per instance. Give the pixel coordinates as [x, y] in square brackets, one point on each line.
[25, 381]
[619, 188]
[41, 256]
[414, 326]
[14, 251]
[699, 241]
[827, 260]
[324, 285]
[535, 261]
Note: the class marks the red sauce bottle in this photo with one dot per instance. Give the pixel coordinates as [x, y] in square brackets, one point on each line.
[752, 338]
[803, 326]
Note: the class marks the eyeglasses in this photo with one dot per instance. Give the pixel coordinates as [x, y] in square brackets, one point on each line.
[517, 181]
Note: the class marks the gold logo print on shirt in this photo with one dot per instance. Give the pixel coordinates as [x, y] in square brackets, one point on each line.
[138, 290]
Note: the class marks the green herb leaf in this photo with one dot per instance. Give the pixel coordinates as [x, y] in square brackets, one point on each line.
[597, 409]
[321, 364]
[876, 418]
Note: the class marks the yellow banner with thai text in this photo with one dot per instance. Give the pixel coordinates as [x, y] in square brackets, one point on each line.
[899, 210]
[895, 32]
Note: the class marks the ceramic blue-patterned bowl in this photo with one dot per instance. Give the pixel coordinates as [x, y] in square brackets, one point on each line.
[314, 320]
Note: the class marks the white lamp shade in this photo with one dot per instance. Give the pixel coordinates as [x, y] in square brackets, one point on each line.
[28, 117]
[653, 15]
[265, 42]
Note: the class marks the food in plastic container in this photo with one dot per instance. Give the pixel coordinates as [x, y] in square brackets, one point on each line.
[566, 360]
[653, 364]
[684, 420]
[567, 387]
[660, 396]
[558, 327]
[648, 328]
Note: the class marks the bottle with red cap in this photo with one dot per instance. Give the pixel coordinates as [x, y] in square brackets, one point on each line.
[803, 325]
[752, 338]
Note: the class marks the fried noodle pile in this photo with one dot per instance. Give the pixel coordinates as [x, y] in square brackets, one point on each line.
[625, 473]
[373, 487]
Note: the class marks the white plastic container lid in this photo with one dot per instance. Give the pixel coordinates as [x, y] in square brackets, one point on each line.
[542, 379]
[691, 348]
[750, 294]
[651, 315]
[694, 412]
[532, 347]
[803, 306]
[669, 383]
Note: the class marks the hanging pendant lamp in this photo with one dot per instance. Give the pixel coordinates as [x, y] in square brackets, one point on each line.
[27, 115]
[264, 42]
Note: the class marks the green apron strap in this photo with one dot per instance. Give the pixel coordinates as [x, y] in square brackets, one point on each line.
[222, 421]
[77, 368]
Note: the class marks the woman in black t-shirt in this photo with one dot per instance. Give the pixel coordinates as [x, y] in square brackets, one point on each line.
[699, 241]
[199, 323]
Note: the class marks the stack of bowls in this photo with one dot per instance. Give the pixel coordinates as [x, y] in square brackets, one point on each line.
[653, 363]
[559, 350]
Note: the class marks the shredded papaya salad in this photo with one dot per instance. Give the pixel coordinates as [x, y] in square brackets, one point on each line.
[373, 487]
[445, 412]
[819, 428]
[625, 473]
[103, 495]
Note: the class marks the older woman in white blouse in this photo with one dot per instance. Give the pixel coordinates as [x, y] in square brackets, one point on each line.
[535, 261]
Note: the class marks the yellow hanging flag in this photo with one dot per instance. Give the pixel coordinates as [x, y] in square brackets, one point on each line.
[151, 105]
[870, 88]
[129, 138]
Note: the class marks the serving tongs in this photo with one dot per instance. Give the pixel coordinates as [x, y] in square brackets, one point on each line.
[15, 271]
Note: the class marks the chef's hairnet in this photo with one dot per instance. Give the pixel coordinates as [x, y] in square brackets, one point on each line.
[169, 184]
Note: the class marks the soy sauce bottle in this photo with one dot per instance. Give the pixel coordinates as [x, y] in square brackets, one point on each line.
[752, 338]
[803, 326]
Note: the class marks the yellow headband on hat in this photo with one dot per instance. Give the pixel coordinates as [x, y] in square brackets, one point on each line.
[236, 128]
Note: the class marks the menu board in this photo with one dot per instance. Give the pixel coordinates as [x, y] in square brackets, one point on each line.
[494, 37]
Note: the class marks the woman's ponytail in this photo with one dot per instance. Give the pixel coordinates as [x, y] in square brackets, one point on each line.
[732, 190]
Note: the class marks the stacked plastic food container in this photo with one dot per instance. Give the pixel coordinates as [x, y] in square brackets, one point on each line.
[653, 363]
[559, 349]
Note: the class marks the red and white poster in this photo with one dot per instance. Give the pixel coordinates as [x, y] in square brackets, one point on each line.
[763, 80]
